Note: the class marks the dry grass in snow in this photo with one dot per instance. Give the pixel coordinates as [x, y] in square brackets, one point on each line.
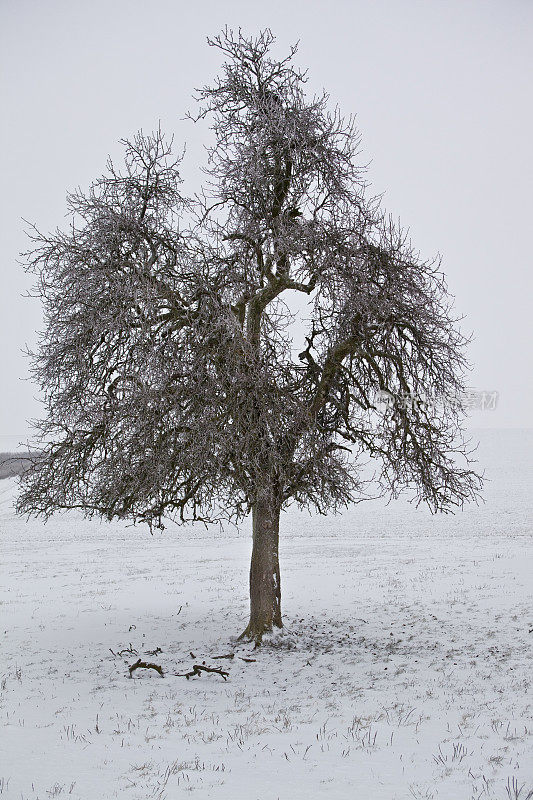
[403, 671]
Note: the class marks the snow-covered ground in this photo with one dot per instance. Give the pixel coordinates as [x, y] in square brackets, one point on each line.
[404, 670]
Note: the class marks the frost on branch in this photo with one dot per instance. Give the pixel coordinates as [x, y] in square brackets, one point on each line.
[176, 383]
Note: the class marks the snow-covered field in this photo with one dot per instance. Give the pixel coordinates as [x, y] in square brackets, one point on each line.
[404, 670]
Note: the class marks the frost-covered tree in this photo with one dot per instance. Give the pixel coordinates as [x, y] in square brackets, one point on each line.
[177, 380]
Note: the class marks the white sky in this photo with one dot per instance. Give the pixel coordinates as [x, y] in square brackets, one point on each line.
[442, 94]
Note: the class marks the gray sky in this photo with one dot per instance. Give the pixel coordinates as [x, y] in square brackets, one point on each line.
[442, 94]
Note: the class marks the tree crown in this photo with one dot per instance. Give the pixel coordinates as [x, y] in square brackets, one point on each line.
[173, 377]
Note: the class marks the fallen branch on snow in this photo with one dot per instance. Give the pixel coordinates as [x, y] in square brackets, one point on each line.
[144, 665]
[199, 668]
[232, 655]
[131, 651]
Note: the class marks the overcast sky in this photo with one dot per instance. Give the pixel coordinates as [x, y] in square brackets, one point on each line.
[442, 94]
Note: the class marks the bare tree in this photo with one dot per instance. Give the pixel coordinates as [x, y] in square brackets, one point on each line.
[174, 381]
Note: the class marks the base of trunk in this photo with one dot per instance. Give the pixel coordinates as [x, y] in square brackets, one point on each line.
[255, 631]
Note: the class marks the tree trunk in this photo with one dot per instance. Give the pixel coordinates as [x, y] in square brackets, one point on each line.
[265, 586]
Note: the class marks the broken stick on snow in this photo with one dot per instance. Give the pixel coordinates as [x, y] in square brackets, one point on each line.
[144, 665]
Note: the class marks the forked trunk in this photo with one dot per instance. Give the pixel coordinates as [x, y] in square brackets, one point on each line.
[265, 587]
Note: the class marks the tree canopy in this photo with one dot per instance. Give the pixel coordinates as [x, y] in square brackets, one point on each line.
[175, 381]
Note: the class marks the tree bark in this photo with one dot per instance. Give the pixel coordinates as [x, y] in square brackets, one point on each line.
[265, 586]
